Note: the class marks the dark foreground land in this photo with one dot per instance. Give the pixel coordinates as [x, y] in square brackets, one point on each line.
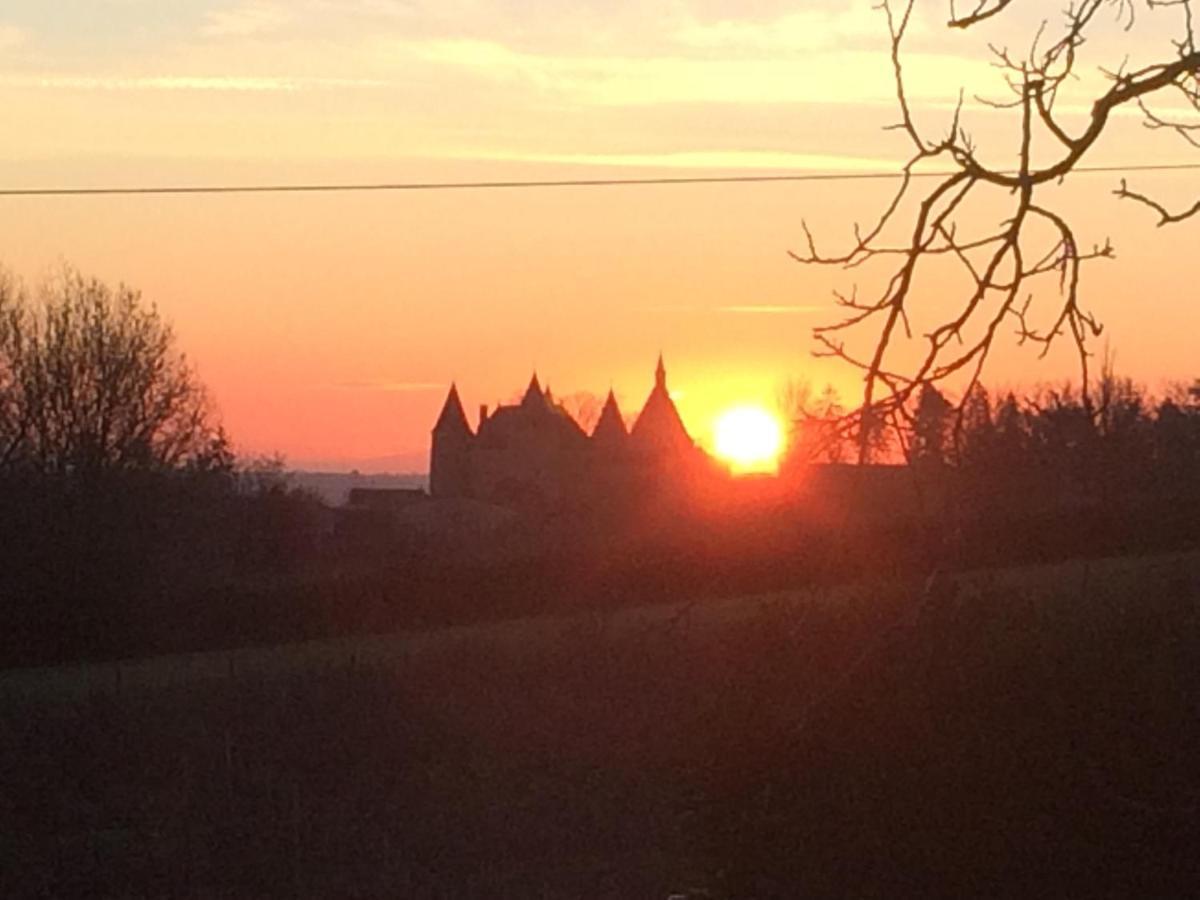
[1027, 734]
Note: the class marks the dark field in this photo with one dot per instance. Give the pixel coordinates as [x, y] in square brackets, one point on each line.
[1023, 734]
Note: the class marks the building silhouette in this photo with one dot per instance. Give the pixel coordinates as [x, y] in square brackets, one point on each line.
[534, 455]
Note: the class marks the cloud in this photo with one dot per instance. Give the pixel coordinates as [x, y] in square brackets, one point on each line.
[389, 387]
[771, 310]
[739, 309]
[703, 159]
[651, 80]
[232, 83]
[12, 37]
[805, 30]
[313, 18]
[247, 19]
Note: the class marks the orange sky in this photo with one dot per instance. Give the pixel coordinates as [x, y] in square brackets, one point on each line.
[328, 326]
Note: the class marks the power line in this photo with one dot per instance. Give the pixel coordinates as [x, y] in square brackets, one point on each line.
[328, 188]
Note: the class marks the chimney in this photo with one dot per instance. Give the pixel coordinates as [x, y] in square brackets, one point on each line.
[483, 413]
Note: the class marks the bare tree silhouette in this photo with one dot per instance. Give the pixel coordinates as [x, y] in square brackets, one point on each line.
[1023, 267]
[91, 381]
[584, 407]
[13, 412]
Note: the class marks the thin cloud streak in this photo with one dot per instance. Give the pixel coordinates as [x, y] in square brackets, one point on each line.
[790, 33]
[228, 83]
[696, 159]
[769, 310]
[12, 37]
[387, 387]
[652, 80]
[247, 20]
[739, 309]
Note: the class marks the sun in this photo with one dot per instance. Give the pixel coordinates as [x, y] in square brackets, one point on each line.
[749, 439]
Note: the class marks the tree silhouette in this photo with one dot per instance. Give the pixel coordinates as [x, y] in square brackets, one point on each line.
[584, 407]
[13, 411]
[1022, 266]
[814, 423]
[91, 382]
[933, 426]
[975, 437]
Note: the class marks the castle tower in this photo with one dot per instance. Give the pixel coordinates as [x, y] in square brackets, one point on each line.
[610, 431]
[535, 397]
[449, 464]
[659, 430]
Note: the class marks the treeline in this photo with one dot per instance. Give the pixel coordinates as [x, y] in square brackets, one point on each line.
[993, 479]
[121, 502]
[1117, 438]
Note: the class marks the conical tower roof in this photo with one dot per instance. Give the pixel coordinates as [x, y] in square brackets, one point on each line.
[610, 427]
[534, 396]
[659, 426]
[453, 420]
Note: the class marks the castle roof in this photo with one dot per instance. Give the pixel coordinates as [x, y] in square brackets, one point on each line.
[659, 426]
[610, 427]
[534, 396]
[452, 418]
[536, 420]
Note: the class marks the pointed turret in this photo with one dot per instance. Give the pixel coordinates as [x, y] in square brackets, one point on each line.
[610, 427]
[533, 393]
[452, 438]
[452, 419]
[659, 429]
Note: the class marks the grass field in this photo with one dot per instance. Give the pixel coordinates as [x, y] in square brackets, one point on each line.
[1017, 732]
[1117, 577]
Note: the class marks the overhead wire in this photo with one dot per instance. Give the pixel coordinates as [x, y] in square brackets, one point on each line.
[398, 186]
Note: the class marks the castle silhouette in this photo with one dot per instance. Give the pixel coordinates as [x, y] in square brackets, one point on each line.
[534, 455]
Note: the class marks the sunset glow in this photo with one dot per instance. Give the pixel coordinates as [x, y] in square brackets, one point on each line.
[749, 439]
[327, 325]
[542, 448]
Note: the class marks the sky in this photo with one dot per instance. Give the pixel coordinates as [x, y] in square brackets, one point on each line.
[328, 327]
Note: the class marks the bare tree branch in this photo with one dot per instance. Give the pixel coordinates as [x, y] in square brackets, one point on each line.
[980, 13]
[1028, 266]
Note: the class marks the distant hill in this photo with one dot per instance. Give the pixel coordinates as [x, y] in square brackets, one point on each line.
[334, 487]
